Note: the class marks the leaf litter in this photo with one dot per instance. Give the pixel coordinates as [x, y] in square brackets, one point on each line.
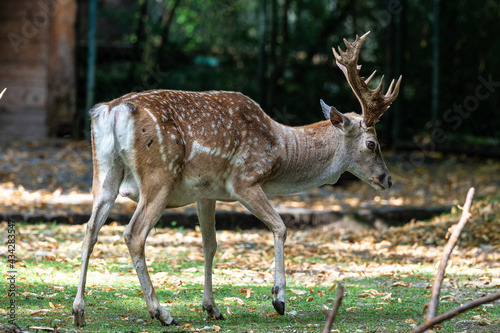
[31, 181]
[316, 256]
[55, 178]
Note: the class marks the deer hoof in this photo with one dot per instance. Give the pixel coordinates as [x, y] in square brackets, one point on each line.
[172, 323]
[78, 318]
[212, 312]
[220, 317]
[164, 317]
[279, 306]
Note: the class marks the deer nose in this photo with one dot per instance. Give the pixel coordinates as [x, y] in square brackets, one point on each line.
[385, 179]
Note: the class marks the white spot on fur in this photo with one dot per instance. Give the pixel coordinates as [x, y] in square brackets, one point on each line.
[171, 165]
[151, 115]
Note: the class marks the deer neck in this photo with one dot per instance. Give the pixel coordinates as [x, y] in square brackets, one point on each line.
[311, 156]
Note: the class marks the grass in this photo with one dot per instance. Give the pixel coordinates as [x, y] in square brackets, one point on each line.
[114, 302]
[386, 284]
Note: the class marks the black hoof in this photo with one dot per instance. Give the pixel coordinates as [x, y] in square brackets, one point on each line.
[220, 317]
[279, 307]
[172, 323]
[78, 317]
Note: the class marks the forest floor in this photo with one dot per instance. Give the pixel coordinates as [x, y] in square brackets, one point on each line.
[387, 272]
[387, 275]
[57, 177]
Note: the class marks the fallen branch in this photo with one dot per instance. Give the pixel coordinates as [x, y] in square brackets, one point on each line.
[331, 316]
[452, 241]
[452, 313]
[431, 318]
[45, 328]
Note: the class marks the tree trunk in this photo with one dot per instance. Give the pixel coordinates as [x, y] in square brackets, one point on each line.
[262, 54]
[61, 99]
[166, 23]
[271, 87]
[139, 33]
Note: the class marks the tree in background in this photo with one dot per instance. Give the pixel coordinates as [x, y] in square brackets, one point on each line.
[279, 53]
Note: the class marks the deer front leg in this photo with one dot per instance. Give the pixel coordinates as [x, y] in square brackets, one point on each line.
[145, 217]
[206, 217]
[255, 200]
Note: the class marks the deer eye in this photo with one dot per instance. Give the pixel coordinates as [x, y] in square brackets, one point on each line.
[370, 145]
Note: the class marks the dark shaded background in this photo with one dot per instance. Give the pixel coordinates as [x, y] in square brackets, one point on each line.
[278, 52]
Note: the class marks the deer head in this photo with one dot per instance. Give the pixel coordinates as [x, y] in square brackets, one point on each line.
[358, 131]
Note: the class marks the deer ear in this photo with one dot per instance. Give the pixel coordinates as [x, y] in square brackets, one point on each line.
[326, 109]
[337, 118]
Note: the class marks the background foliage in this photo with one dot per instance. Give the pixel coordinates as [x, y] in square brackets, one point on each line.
[278, 52]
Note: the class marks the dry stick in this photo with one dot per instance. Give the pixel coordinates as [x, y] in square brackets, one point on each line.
[456, 230]
[336, 306]
[452, 313]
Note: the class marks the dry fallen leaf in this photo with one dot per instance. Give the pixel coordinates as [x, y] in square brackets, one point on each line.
[298, 292]
[186, 327]
[448, 298]
[234, 299]
[332, 287]
[39, 312]
[388, 296]
[354, 308]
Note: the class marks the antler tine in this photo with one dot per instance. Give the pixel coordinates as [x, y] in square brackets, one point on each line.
[370, 77]
[373, 102]
[388, 93]
[394, 93]
[380, 85]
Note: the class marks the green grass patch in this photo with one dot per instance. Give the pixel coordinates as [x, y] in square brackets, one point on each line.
[387, 279]
[114, 302]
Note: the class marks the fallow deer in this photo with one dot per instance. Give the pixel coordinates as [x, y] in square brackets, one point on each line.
[166, 148]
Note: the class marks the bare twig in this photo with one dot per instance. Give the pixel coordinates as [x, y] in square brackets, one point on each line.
[333, 312]
[452, 241]
[452, 313]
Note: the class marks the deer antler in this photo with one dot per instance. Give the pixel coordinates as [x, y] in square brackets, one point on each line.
[373, 102]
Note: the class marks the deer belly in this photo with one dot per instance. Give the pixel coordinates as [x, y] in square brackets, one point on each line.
[189, 190]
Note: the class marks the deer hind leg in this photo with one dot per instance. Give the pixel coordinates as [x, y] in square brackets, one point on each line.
[255, 200]
[206, 216]
[151, 204]
[105, 193]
